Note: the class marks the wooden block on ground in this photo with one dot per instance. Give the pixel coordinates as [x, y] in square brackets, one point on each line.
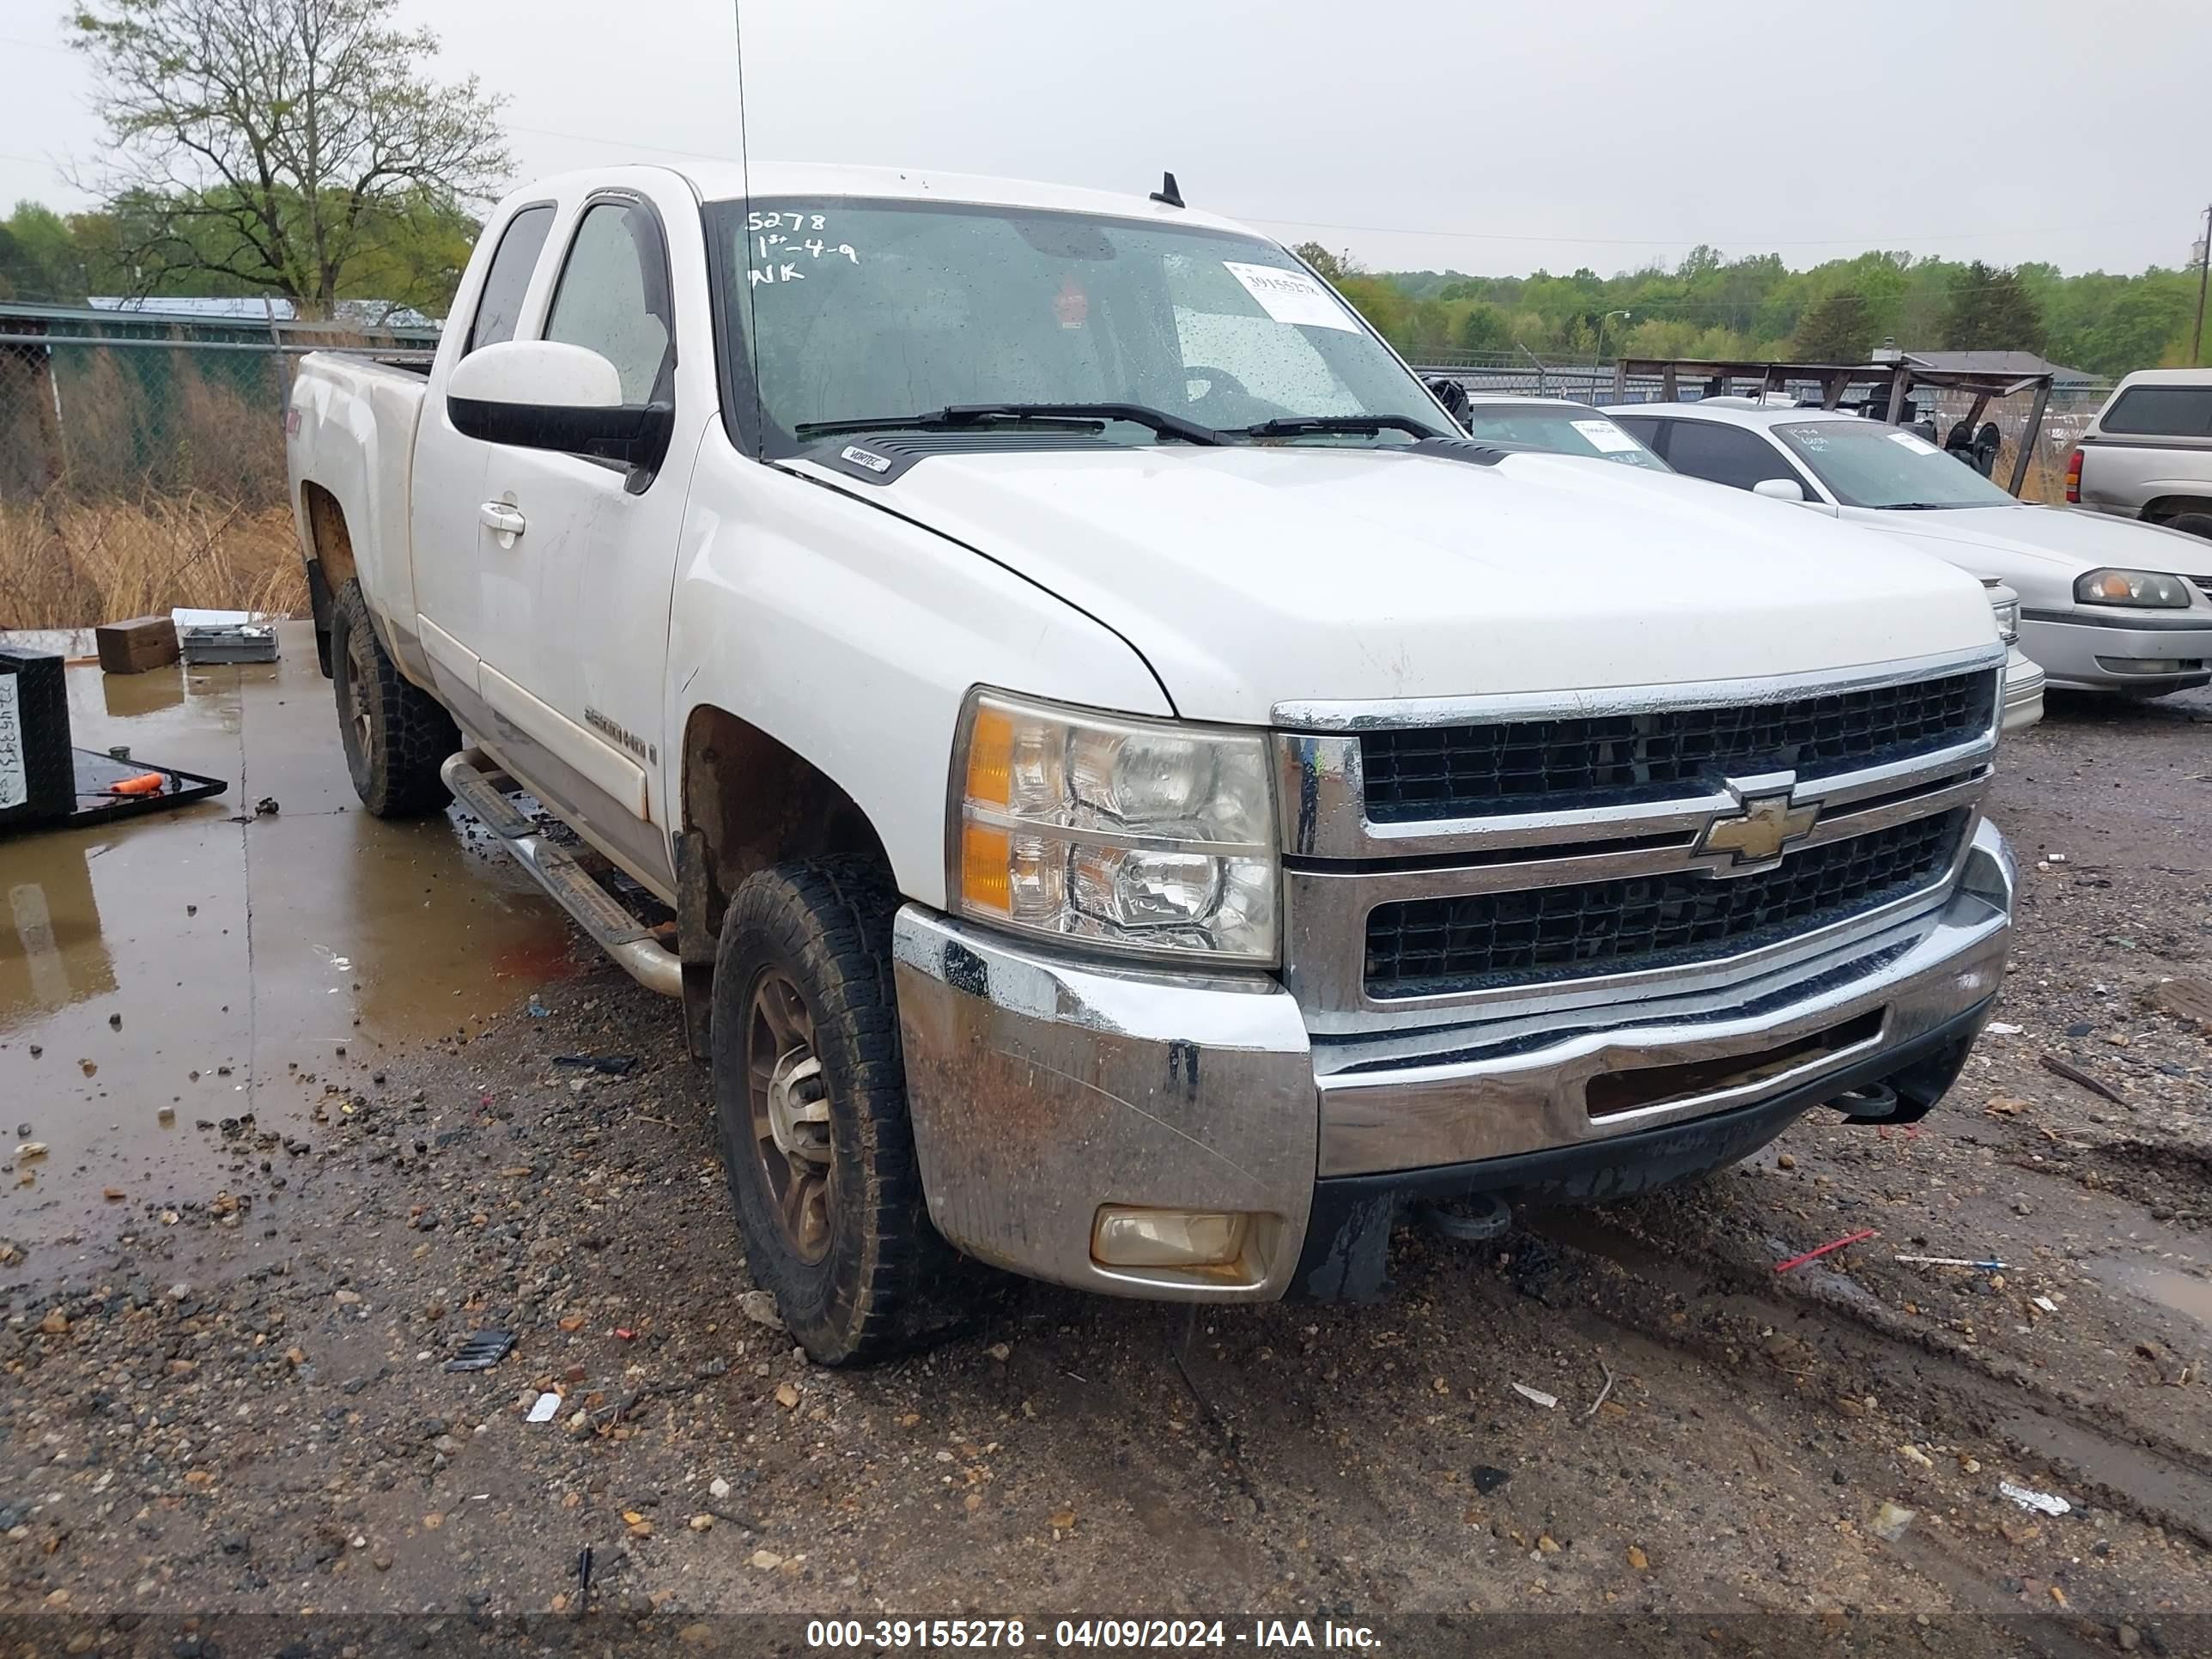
[134, 646]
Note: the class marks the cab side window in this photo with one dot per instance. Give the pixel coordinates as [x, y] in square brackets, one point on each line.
[499, 308]
[613, 296]
[1725, 455]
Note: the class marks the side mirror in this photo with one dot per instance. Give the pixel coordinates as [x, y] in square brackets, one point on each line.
[1779, 490]
[542, 394]
[1453, 396]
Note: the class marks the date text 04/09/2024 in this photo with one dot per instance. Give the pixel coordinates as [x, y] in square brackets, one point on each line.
[936, 1635]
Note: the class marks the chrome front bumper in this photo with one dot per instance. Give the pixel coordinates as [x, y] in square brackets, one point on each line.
[2023, 693]
[1042, 1087]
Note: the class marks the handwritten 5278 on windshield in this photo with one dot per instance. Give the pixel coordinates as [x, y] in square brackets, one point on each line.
[780, 238]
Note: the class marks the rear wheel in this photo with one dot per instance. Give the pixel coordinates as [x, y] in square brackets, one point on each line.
[810, 1100]
[396, 735]
[2195, 523]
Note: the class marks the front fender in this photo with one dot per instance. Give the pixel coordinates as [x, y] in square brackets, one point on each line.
[852, 635]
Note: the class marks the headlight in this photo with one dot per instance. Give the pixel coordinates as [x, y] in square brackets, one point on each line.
[2008, 614]
[1145, 836]
[2145, 587]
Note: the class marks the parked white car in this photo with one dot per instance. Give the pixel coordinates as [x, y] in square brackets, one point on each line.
[1120, 786]
[2106, 605]
[1559, 426]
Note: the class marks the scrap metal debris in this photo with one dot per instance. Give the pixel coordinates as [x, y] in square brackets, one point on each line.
[1603, 1393]
[2044, 1503]
[482, 1351]
[612, 1065]
[1536, 1397]
[2074, 1073]
[1821, 1250]
[1992, 1266]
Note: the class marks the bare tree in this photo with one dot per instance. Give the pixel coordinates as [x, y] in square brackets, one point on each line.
[279, 143]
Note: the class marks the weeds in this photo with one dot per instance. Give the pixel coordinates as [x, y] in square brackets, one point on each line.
[70, 563]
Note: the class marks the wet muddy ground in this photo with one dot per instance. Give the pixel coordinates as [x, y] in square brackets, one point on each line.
[222, 1393]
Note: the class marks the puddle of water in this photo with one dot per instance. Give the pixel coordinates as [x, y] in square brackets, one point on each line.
[2184, 1294]
[252, 946]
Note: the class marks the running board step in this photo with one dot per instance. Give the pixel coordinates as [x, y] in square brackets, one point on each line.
[475, 780]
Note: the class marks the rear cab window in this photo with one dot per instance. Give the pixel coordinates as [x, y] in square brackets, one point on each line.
[2160, 411]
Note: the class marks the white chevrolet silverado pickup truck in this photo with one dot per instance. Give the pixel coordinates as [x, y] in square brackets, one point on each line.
[1121, 789]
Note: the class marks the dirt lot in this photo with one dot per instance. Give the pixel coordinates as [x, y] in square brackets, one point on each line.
[223, 1392]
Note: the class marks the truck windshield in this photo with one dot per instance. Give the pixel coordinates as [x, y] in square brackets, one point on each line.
[1868, 464]
[864, 310]
[1559, 429]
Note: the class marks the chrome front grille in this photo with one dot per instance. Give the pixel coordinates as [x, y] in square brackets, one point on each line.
[1428, 947]
[1465, 771]
[1494, 856]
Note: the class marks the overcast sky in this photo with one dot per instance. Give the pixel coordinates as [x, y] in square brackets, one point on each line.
[1442, 133]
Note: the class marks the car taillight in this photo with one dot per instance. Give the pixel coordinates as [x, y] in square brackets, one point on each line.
[2074, 477]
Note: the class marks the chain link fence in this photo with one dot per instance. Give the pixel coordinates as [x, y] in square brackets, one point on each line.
[2070, 408]
[142, 466]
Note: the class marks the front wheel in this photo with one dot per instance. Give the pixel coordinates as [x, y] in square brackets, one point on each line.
[810, 1102]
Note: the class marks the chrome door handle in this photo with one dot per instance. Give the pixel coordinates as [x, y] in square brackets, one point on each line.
[504, 521]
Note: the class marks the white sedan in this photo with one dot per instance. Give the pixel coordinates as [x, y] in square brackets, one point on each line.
[2106, 605]
[1562, 428]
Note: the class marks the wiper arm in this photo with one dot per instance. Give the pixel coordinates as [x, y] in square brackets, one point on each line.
[954, 416]
[1919, 507]
[1295, 425]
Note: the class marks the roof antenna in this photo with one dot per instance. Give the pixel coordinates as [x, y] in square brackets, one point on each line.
[1167, 193]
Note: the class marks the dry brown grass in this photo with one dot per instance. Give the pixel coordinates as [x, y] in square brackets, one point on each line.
[68, 563]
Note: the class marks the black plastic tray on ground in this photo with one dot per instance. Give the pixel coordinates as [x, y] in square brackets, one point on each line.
[96, 771]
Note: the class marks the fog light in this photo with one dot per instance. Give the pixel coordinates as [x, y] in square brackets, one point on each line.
[1125, 1237]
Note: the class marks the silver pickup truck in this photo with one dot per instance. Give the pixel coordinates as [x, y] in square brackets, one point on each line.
[2149, 452]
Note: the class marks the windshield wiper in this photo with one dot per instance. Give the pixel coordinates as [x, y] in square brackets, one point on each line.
[1299, 426]
[954, 416]
[1920, 506]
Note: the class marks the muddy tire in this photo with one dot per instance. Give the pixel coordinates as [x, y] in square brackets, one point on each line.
[396, 735]
[810, 1099]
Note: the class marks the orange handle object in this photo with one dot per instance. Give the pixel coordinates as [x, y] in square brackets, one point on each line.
[146, 783]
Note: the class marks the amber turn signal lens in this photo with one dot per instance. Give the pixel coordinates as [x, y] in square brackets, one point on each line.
[991, 757]
[986, 868]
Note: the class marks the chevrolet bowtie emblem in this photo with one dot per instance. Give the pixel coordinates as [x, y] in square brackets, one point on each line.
[1757, 834]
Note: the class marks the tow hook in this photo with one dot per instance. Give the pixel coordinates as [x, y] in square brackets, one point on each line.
[1468, 1220]
[1870, 1103]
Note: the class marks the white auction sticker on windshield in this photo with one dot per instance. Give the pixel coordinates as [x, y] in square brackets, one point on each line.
[1914, 442]
[1609, 439]
[1290, 296]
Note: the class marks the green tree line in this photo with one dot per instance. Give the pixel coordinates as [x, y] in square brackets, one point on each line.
[411, 252]
[1756, 308]
[1707, 306]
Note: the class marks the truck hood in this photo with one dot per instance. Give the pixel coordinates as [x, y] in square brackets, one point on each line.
[2041, 550]
[1252, 576]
